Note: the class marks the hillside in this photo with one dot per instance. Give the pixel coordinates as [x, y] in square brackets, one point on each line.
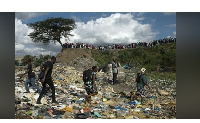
[158, 58]
[69, 55]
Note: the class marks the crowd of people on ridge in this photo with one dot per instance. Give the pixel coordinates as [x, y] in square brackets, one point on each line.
[117, 46]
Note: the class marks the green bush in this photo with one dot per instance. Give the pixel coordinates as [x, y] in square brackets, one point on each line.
[47, 57]
[102, 57]
[151, 58]
[24, 59]
[162, 76]
[17, 62]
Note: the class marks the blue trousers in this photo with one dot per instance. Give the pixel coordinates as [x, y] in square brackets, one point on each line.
[32, 81]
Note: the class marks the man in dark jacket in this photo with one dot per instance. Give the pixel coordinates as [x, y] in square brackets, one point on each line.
[47, 79]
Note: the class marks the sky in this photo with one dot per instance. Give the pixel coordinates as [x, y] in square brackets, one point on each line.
[97, 28]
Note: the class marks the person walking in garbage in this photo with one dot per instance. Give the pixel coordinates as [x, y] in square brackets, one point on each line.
[90, 86]
[41, 58]
[47, 79]
[114, 71]
[31, 77]
[141, 82]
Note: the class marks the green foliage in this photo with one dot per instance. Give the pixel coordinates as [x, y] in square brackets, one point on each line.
[102, 57]
[51, 29]
[37, 62]
[138, 51]
[24, 59]
[17, 62]
[151, 58]
[47, 57]
[124, 55]
[75, 62]
[163, 76]
[169, 59]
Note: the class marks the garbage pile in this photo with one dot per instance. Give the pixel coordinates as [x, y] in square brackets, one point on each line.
[83, 63]
[111, 102]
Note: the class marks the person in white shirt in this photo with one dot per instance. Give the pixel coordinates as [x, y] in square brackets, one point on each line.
[114, 71]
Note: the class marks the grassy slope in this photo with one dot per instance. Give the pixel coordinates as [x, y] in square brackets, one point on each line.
[150, 58]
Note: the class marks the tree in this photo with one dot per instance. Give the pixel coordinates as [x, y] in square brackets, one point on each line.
[17, 62]
[24, 59]
[37, 62]
[51, 30]
[47, 57]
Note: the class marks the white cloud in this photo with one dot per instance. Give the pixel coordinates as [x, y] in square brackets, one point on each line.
[141, 14]
[171, 25]
[19, 47]
[104, 15]
[138, 15]
[76, 18]
[21, 33]
[169, 13]
[142, 18]
[37, 50]
[174, 33]
[93, 17]
[27, 15]
[117, 28]
[169, 36]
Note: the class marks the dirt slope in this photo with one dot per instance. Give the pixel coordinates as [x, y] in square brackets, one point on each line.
[70, 54]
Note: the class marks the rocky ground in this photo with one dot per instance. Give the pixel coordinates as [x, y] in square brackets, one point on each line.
[112, 101]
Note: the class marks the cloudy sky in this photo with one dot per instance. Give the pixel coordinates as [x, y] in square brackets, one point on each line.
[96, 28]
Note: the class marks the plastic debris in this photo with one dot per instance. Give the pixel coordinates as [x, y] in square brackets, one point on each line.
[111, 102]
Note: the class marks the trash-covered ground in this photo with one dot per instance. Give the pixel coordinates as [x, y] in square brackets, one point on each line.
[112, 101]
